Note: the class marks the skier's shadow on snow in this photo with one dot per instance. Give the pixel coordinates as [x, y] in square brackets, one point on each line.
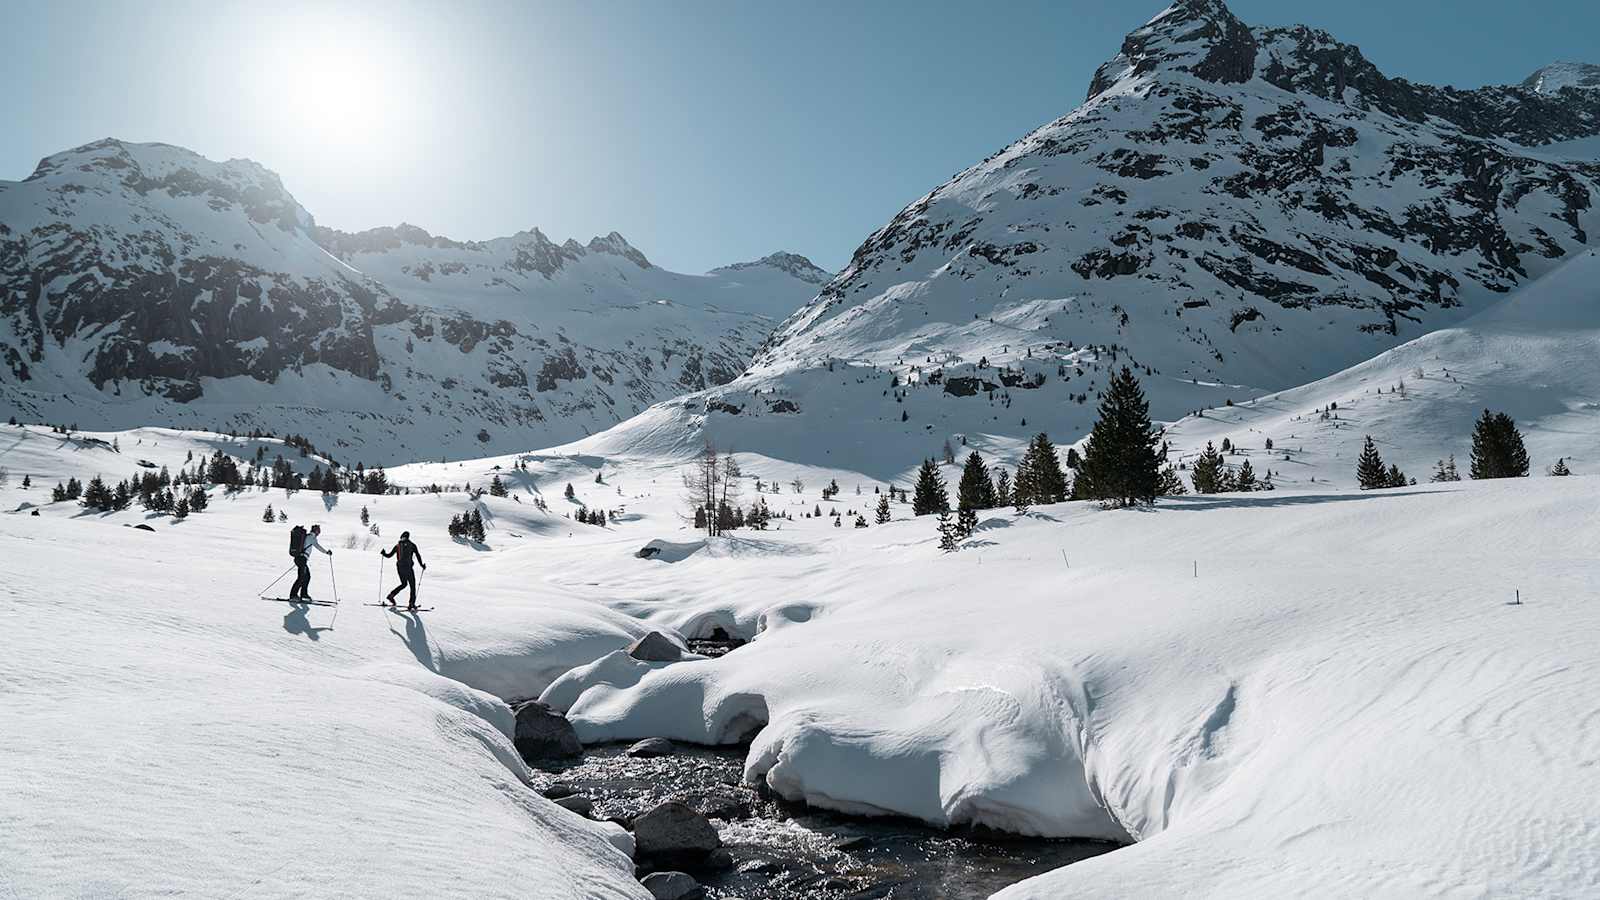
[415, 638]
[295, 621]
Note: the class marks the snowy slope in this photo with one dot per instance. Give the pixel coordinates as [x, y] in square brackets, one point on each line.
[1233, 211]
[1533, 356]
[1298, 720]
[168, 733]
[143, 284]
[1557, 77]
[1295, 715]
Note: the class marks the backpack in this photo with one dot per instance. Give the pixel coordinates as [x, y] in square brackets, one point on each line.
[297, 540]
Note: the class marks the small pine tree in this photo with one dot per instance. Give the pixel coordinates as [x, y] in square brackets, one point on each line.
[966, 523]
[929, 495]
[1207, 474]
[1246, 479]
[366, 517]
[27, 482]
[1002, 488]
[882, 515]
[1046, 482]
[1120, 463]
[1497, 448]
[198, 501]
[947, 532]
[1446, 470]
[97, 496]
[975, 490]
[1396, 477]
[180, 510]
[497, 488]
[1560, 468]
[1170, 485]
[569, 493]
[1370, 472]
[475, 527]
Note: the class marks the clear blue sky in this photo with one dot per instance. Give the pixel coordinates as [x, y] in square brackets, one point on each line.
[706, 132]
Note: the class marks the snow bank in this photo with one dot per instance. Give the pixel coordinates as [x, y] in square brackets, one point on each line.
[1300, 716]
[167, 732]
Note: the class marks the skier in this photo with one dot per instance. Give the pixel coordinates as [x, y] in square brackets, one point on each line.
[300, 546]
[402, 553]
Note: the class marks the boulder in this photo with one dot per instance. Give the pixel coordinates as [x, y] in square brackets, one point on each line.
[655, 647]
[141, 526]
[652, 747]
[672, 886]
[619, 837]
[719, 860]
[557, 790]
[577, 803]
[544, 733]
[714, 804]
[674, 834]
[648, 552]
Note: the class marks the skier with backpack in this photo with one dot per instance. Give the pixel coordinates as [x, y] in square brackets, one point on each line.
[404, 551]
[301, 543]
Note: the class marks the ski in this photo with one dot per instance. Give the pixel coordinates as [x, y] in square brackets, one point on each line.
[296, 601]
[400, 608]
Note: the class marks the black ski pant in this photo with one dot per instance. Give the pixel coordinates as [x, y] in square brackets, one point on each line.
[302, 578]
[408, 578]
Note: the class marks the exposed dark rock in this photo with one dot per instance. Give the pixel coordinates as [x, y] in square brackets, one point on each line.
[652, 747]
[542, 732]
[674, 834]
[577, 803]
[655, 647]
[672, 886]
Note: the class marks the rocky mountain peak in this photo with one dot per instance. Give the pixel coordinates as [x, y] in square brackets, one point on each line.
[791, 263]
[112, 167]
[1557, 76]
[1201, 37]
[615, 243]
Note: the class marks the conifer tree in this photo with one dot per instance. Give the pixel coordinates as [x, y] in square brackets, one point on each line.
[1170, 485]
[1396, 477]
[1246, 479]
[1046, 482]
[1497, 449]
[181, 509]
[882, 515]
[1207, 474]
[1446, 470]
[1000, 488]
[975, 490]
[1370, 471]
[97, 496]
[966, 523]
[1560, 468]
[198, 501]
[497, 488]
[947, 532]
[929, 495]
[268, 515]
[1120, 462]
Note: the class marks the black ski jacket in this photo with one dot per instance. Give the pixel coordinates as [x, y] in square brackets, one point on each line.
[405, 550]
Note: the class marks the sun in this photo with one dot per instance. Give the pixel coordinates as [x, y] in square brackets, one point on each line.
[334, 92]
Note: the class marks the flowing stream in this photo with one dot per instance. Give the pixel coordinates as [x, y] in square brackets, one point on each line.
[782, 851]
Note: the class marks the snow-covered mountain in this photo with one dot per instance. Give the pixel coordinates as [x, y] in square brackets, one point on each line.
[144, 284]
[1557, 76]
[1533, 355]
[1232, 211]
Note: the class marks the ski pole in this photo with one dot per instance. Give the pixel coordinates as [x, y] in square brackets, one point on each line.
[274, 581]
[380, 579]
[335, 581]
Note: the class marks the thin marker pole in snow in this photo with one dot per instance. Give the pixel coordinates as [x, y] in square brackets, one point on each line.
[1064, 559]
[1197, 568]
[1519, 596]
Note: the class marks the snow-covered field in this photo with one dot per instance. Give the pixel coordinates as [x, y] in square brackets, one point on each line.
[1322, 694]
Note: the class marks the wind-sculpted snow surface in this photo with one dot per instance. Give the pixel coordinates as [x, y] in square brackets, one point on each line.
[1279, 695]
[166, 732]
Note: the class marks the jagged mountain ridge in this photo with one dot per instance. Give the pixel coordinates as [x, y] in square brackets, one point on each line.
[1233, 211]
[143, 283]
